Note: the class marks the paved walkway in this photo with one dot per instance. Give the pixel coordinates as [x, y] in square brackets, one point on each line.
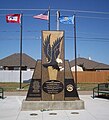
[95, 109]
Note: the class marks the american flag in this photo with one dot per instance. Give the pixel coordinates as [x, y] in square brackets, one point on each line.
[42, 16]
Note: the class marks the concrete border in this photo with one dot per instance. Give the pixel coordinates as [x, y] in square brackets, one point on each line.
[52, 105]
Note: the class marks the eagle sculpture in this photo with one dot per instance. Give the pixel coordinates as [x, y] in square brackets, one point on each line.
[52, 52]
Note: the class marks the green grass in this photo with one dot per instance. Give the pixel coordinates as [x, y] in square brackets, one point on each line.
[12, 87]
[86, 86]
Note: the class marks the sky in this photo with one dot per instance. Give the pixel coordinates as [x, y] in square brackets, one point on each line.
[92, 27]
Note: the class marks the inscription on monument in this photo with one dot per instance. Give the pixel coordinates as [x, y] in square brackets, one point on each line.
[35, 88]
[70, 89]
[53, 86]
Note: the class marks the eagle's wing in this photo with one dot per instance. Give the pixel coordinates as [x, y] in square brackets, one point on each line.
[47, 47]
[56, 46]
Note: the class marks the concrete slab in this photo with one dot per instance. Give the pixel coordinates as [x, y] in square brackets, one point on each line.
[95, 109]
[52, 105]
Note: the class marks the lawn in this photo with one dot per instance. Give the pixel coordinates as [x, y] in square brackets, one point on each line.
[12, 87]
[86, 86]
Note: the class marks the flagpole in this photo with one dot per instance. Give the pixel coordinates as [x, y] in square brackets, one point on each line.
[58, 15]
[49, 18]
[75, 51]
[21, 51]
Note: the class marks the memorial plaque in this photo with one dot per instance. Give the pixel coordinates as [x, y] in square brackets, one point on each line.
[52, 86]
[69, 88]
[34, 90]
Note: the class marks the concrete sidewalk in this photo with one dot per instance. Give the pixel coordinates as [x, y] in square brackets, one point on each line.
[95, 109]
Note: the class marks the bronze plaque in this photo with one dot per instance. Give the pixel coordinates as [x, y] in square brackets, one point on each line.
[53, 86]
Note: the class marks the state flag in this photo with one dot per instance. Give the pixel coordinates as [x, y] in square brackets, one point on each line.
[67, 19]
[13, 18]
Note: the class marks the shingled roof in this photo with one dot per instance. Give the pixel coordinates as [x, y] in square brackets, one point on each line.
[89, 64]
[14, 60]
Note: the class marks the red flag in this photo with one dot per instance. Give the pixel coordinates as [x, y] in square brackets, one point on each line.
[42, 16]
[13, 18]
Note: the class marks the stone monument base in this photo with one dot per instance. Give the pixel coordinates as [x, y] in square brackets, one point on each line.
[52, 105]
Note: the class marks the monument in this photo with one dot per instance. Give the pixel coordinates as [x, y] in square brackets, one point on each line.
[52, 85]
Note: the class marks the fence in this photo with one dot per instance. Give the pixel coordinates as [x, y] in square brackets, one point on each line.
[92, 76]
[83, 77]
[14, 76]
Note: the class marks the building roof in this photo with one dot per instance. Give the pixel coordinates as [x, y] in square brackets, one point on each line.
[89, 64]
[14, 60]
